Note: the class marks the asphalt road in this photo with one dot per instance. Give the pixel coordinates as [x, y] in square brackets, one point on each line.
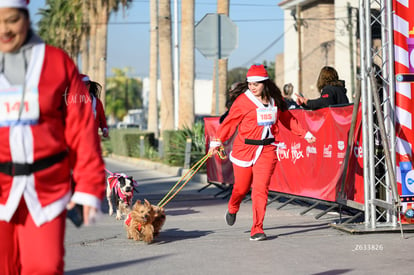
[196, 240]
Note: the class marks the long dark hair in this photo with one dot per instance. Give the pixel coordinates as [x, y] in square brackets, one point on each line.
[270, 91]
[95, 89]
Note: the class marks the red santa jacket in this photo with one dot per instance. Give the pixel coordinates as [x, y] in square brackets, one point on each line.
[65, 123]
[99, 113]
[242, 118]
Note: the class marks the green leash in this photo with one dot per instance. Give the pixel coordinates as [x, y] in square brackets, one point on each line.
[186, 178]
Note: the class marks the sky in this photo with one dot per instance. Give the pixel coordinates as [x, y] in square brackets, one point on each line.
[259, 25]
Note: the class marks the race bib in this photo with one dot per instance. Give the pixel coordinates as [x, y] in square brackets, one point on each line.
[10, 105]
[266, 116]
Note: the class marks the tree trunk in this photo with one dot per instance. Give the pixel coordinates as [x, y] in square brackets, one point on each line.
[167, 100]
[84, 38]
[153, 71]
[101, 48]
[92, 68]
[186, 103]
[223, 8]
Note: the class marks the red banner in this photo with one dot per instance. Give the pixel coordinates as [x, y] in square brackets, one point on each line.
[309, 170]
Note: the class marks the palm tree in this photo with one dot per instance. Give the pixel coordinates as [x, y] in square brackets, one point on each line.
[186, 103]
[153, 71]
[123, 93]
[61, 25]
[167, 102]
[65, 21]
[99, 12]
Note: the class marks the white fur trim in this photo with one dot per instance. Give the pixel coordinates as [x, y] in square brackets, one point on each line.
[86, 199]
[13, 4]
[239, 162]
[256, 78]
[35, 65]
[47, 213]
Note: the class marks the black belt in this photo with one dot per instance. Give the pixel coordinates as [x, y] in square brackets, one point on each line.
[25, 169]
[266, 141]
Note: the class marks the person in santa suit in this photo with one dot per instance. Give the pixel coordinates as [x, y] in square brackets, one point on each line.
[47, 132]
[97, 106]
[254, 116]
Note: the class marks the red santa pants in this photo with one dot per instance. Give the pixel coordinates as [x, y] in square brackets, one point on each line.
[28, 249]
[256, 177]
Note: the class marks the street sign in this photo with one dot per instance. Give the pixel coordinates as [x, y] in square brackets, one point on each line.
[216, 36]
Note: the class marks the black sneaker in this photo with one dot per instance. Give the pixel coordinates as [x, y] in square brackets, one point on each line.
[230, 218]
[258, 237]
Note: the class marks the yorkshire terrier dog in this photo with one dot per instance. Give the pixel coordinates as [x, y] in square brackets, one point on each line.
[120, 189]
[144, 222]
[159, 219]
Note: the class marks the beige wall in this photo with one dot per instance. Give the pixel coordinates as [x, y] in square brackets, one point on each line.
[279, 70]
[318, 47]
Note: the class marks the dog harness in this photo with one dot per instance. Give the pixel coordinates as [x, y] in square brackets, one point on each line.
[128, 222]
[113, 181]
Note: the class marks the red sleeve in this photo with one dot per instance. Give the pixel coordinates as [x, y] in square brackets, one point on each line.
[100, 114]
[291, 123]
[83, 140]
[229, 125]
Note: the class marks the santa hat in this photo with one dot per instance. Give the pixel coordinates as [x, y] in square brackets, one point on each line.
[257, 73]
[14, 3]
[85, 78]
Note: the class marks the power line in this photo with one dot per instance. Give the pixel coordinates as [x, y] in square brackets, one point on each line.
[235, 20]
[267, 48]
[215, 4]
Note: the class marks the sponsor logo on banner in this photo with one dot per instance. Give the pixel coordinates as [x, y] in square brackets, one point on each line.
[294, 153]
[310, 150]
[409, 182]
[327, 151]
[341, 155]
[341, 147]
[358, 151]
[282, 153]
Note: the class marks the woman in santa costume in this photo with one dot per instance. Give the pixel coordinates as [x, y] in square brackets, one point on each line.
[97, 106]
[47, 132]
[257, 109]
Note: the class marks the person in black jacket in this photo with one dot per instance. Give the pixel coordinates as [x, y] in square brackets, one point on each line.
[331, 88]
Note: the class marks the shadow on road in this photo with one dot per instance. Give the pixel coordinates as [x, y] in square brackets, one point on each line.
[106, 267]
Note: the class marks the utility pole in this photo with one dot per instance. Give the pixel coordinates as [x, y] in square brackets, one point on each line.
[299, 26]
[351, 48]
[153, 71]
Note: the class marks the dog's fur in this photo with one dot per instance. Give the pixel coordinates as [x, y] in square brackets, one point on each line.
[159, 219]
[144, 222]
[120, 188]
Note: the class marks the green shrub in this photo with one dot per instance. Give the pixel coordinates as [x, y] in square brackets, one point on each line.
[127, 142]
[175, 143]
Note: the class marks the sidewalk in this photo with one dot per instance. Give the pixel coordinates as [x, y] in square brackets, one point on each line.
[196, 240]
